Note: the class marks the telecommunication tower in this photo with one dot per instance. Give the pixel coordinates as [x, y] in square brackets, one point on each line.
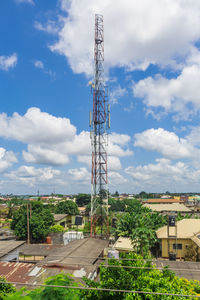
[99, 122]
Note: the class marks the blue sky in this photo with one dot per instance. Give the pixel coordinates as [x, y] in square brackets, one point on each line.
[152, 68]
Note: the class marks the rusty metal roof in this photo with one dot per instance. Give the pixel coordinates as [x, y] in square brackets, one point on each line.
[16, 272]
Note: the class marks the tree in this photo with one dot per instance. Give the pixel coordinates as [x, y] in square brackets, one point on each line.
[57, 228]
[67, 207]
[140, 223]
[116, 205]
[83, 199]
[5, 289]
[143, 276]
[50, 293]
[40, 220]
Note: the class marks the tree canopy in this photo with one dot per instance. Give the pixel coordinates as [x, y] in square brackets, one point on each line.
[83, 199]
[132, 274]
[67, 207]
[139, 223]
[40, 220]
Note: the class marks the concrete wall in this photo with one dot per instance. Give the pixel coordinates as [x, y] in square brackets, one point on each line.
[180, 253]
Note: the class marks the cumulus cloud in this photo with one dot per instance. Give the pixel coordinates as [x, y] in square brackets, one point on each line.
[50, 27]
[162, 172]
[165, 142]
[8, 62]
[39, 64]
[120, 139]
[80, 174]
[116, 179]
[36, 127]
[137, 33]
[177, 95]
[52, 140]
[32, 176]
[7, 158]
[117, 93]
[39, 155]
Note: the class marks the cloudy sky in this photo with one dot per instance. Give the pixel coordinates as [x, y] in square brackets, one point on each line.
[152, 68]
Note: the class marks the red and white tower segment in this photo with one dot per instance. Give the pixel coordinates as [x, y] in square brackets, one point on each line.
[100, 122]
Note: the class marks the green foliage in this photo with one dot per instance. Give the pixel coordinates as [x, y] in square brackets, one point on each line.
[140, 223]
[67, 207]
[83, 199]
[57, 228]
[142, 279]
[50, 293]
[5, 289]
[116, 205]
[40, 221]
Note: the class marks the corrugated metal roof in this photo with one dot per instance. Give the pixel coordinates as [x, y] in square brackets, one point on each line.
[186, 228]
[8, 246]
[16, 272]
[123, 244]
[37, 249]
[163, 201]
[168, 207]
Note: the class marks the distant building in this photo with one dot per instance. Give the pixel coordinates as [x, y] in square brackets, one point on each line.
[163, 201]
[61, 219]
[167, 208]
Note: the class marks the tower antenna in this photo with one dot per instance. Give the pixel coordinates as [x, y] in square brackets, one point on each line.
[99, 122]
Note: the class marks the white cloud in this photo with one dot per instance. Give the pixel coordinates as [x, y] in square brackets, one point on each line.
[7, 158]
[163, 172]
[39, 64]
[51, 27]
[33, 176]
[36, 127]
[7, 62]
[120, 139]
[39, 155]
[52, 140]
[80, 174]
[178, 95]
[117, 93]
[116, 179]
[25, 1]
[165, 142]
[137, 33]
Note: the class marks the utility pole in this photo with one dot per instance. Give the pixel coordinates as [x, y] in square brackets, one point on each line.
[28, 228]
[99, 122]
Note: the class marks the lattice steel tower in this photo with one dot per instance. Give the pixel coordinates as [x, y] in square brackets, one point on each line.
[99, 122]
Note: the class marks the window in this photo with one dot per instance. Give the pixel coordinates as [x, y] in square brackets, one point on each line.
[177, 246]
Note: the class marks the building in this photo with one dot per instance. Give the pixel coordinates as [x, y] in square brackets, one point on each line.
[167, 208]
[68, 221]
[182, 239]
[9, 250]
[123, 245]
[162, 201]
[61, 219]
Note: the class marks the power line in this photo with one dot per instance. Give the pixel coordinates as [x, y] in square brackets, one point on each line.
[119, 266]
[99, 289]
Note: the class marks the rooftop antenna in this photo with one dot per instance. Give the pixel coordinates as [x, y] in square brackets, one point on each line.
[99, 123]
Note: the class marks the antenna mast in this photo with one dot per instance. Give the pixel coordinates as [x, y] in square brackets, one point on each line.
[99, 122]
